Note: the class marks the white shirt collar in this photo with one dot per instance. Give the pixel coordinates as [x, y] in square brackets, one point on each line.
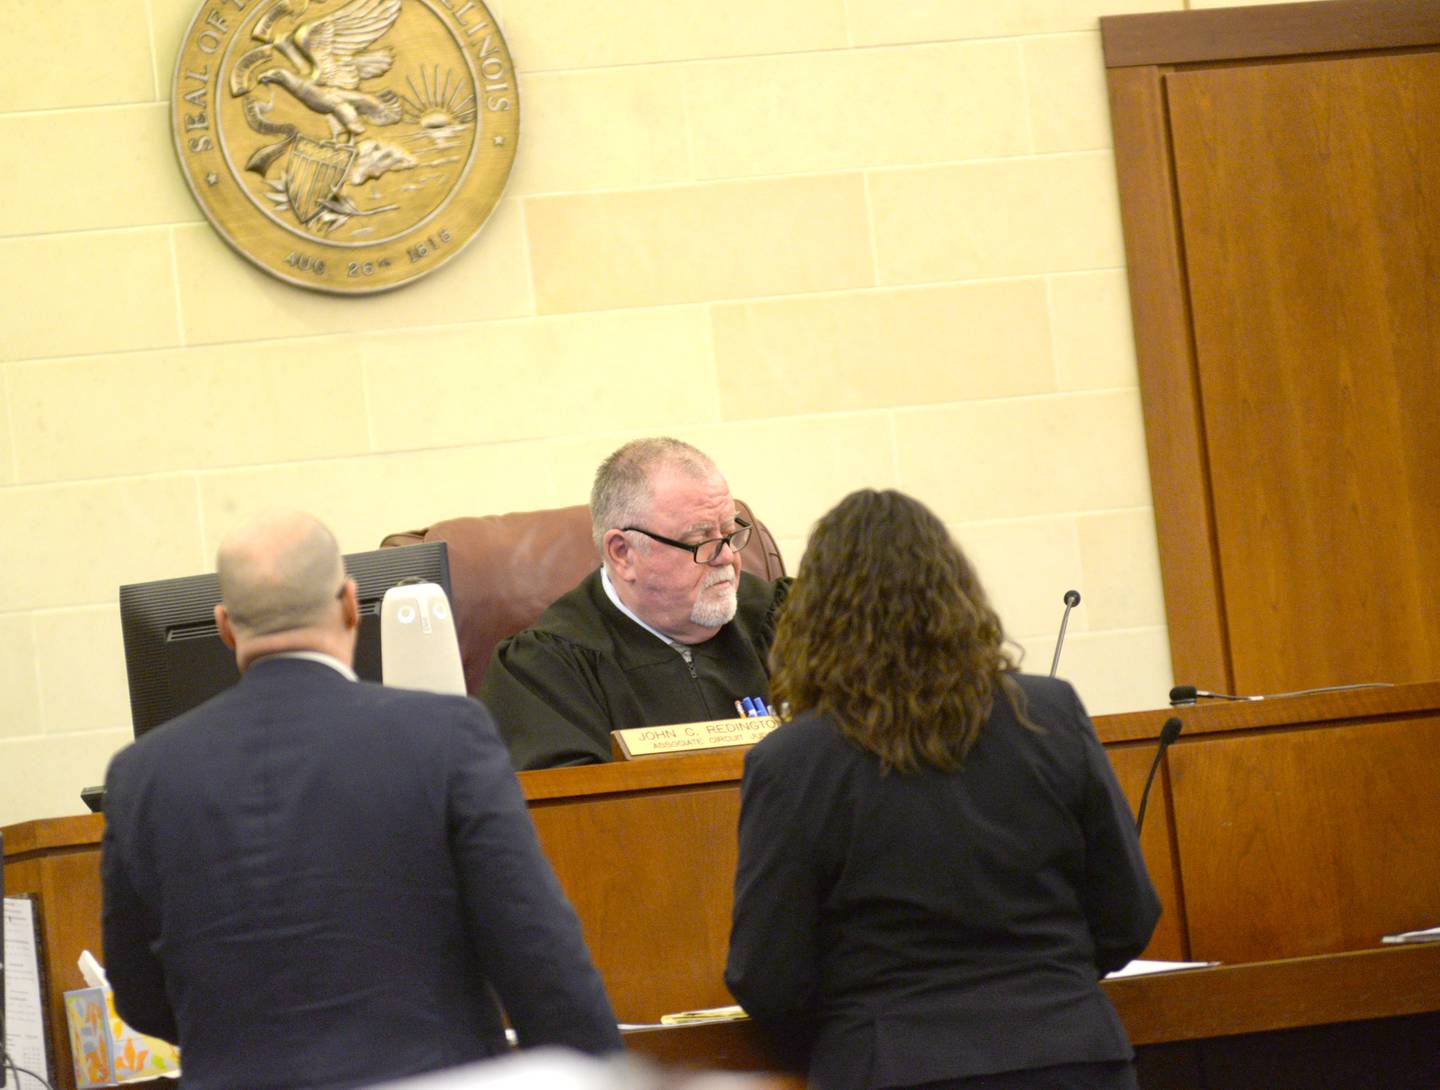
[614, 596]
[317, 656]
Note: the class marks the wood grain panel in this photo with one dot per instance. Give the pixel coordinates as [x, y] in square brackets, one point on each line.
[670, 770]
[67, 882]
[651, 877]
[1268, 30]
[1309, 191]
[1244, 1003]
[1276, 995]
[1307, 841]
[1131, 763]
[1314, 817]
[658, 924]
[1333, 708]
[1371, 123]
[1174, 428]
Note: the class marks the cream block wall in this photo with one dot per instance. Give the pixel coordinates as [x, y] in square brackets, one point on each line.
[836, 243]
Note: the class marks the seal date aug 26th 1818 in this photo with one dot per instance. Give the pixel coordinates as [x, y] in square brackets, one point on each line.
[347, 146]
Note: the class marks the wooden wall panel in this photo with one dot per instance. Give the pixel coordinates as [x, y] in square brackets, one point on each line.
[1287, 367]
[66, 880]
[651, 876]
[1308, 194]
[1308, 841]
[1131, 763]
[674, 854]
[1174, 426]
[1340, 1022]
[1290, 826]
[1268, 30]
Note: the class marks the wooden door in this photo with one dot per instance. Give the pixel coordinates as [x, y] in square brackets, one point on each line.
[1280, 188]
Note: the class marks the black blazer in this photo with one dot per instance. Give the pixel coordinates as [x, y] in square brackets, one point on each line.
[936, 926]
[313, 882]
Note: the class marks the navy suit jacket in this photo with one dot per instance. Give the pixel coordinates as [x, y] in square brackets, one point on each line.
[937, 926]
[314, 882]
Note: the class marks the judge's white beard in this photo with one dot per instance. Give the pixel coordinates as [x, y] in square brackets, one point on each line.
[712, 611]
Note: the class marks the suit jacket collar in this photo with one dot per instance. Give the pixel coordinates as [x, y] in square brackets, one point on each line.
[268, 664]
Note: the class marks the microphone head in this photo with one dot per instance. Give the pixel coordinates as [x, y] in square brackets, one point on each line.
[1072, 597]
[1171, 730]
[1183, 694]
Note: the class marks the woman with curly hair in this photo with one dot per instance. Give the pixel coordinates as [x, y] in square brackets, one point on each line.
[936, 863]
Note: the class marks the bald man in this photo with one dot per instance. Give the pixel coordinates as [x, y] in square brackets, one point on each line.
[311, 881]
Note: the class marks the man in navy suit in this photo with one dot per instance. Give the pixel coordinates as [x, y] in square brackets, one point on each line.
[312, 881]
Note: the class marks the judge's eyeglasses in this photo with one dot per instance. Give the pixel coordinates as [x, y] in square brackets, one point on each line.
[704, 552]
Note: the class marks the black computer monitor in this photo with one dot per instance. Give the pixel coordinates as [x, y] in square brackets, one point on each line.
[174, 657]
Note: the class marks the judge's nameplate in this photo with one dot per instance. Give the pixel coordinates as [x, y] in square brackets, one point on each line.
[691, 737]
[347, 146]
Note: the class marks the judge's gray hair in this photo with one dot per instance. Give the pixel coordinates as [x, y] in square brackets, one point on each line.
[279, 574]
[621, 495]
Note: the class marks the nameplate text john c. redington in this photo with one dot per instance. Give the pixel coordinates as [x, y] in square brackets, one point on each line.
[348, 146]
[690, 737]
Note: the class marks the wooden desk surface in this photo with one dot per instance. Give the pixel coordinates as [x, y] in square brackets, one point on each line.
[1230, 1000]
[1286, 713]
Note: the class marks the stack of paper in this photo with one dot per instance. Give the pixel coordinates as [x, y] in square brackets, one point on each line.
[1146, 968]
[1430, 935]
[23, 998]
[710, 1014]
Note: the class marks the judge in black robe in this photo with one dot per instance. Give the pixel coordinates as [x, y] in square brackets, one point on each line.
[559, 688]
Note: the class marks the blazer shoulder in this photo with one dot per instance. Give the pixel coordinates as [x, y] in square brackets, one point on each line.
[419, 707]
[809, 738]
[1050, 697]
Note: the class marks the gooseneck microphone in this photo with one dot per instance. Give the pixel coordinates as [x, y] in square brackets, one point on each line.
[1168, 733]
[1072, 599]
[1188, 694]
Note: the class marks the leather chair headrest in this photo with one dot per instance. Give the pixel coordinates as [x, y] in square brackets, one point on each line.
[505, 570]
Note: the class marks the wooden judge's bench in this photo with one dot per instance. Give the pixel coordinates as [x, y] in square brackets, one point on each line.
[1285, 837]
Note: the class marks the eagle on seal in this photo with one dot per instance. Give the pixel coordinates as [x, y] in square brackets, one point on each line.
[331, 55]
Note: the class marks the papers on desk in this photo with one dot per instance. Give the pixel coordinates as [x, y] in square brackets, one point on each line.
[1148, 968]
[731, 1014]
[24, 999]
[709, 1014]
[1430, 935]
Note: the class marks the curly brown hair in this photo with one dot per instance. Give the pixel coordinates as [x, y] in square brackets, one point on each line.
[889, 633]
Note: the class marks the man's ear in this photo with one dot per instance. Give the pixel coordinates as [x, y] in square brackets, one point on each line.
[222, 622]
[619, 553]
[350, 605]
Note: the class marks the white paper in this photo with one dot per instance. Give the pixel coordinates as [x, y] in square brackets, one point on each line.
[1146, 968]
[708, 1014]
[1429, 935]
[24, 1005]
[91, 971]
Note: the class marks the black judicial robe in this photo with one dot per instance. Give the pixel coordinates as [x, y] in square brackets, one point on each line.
[557, 689]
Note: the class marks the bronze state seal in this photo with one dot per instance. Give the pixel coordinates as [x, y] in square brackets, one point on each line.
[348, 146]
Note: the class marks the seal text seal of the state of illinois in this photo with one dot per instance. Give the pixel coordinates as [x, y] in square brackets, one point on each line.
[348, 146]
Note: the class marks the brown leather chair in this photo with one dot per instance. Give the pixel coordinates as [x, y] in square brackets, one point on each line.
[506, 569]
